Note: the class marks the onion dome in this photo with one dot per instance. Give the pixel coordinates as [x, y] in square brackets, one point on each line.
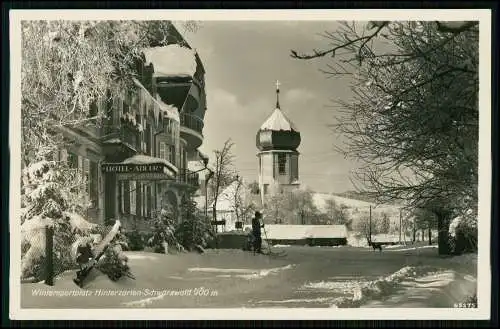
[278, 132]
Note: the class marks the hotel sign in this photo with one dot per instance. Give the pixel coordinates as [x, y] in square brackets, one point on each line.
[125, 168]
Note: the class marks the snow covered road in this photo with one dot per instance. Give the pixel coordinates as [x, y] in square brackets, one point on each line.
[305, 277]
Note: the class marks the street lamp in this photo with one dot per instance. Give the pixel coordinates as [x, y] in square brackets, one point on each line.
[207, 178]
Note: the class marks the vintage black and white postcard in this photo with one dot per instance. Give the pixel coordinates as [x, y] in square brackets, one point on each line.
[325, 164]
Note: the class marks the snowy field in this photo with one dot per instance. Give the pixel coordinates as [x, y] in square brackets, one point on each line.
[401, 276]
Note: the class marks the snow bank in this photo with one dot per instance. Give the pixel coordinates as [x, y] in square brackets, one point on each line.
[144, 302]
[360, 292]
[440, 289]
[242, 273]
[297, 301]
[413, 248]
[394, 246]
[140, 256]
[171, 60]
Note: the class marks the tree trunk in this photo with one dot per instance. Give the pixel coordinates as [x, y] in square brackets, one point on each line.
[443, 235]
[429, 232]
[414, 234]
[214, 218]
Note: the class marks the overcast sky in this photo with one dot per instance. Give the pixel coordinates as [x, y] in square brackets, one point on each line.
[243, 60]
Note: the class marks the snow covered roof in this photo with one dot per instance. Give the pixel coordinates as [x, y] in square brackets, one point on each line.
[171, 60]
[195, 165]
[285, 232]
[327, 231]
[278, 121]
[225, 201]
[299, 232]
[202, 155]
[113, 141]
[146, 159]
[168, 111]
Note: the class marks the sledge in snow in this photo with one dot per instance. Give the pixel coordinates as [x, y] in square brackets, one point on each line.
[249, 246]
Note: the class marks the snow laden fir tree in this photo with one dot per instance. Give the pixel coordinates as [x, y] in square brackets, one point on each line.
[52, 197]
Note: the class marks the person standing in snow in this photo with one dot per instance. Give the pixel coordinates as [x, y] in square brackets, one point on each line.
[256, 226]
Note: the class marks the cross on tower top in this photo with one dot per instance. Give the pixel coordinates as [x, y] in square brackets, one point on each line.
[277, 94]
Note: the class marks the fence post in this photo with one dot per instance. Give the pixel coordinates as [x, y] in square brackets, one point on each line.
[49, 255]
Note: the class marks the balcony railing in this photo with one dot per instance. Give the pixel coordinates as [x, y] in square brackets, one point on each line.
[192, 122]
[187, 177]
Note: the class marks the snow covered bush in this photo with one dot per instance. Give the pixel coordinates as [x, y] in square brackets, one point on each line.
[114, 262]
[463, 233]
[163, 232]
[194, 229]
[136, 240]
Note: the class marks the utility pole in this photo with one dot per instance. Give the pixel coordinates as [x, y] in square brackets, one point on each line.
[370, 225]
[400, 223]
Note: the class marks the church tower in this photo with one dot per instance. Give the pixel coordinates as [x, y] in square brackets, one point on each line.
[277, 140]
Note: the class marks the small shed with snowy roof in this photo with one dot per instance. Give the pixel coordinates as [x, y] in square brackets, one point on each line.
[235, 197]
[312, 235]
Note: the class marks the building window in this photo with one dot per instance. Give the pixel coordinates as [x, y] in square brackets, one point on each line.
[125, 197]
[72, 160]
[282, 163]
[171, 153]
[94, 187]
[86, 175]
[122, 197]
[163, 150]
[133, 197]
[144, 200]
[148, 201]
[63, 155]
[167, 125]
[148, 140]
[126, 103]
[140, 197]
